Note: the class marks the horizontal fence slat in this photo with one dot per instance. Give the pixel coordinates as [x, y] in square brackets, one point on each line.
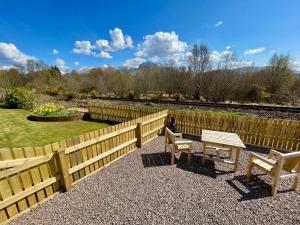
[152, 131]
[98, 139]
[16, 162]
[32, 163]
[97, 158]
[29, 191]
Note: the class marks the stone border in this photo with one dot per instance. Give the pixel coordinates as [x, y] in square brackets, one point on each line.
[55, 118]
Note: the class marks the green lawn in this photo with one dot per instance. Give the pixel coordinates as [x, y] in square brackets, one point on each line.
[17, 131]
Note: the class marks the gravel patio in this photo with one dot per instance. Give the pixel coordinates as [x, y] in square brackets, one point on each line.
[143, 188]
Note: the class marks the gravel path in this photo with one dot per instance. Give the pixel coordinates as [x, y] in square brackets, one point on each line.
[142, 188]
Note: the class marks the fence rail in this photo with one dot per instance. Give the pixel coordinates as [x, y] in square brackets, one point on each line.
[266, 132]
[31, 175]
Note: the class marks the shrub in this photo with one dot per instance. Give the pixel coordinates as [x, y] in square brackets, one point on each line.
[131, 95]
[54, 91]
[52, 109]
[20, 98]
[178, 97]
[202, 99]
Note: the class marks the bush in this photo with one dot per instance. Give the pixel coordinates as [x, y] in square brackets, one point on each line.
[178, 97]
[20, 98]
[202, 99]
[54, 91]
[52, 109]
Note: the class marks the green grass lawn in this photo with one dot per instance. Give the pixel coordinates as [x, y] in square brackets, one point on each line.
[17, 131]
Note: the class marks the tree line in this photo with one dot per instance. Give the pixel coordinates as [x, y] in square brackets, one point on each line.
[200, 80]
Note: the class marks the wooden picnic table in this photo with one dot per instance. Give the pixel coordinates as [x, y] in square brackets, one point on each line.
[221, 142]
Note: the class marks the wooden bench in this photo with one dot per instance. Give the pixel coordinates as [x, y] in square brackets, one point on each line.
[175, 142]
[289, 162]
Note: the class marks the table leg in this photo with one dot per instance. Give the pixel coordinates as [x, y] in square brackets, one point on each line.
[237, 155]
[204, 152]
[230, 152]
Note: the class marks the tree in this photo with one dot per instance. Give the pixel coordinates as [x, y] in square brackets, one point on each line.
[200, 63]
[279, 77]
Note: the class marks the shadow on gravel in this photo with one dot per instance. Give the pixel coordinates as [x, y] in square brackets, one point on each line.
[156, 159]
[164, 159]
[207, 169]
[250, 189]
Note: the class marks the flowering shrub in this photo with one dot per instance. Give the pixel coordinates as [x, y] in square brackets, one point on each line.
[20, 98]
[52, 109]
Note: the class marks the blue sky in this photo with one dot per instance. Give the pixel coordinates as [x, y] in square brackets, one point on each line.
[96, 33]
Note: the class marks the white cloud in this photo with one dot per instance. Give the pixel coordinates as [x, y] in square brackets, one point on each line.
[162, 46]
[118, 42]
[55, 51]
[133, 63]
[254, 51]
[218, 59]
[84, 70]
[84, 48]
[228, 47]
[76, 63]
[238, 64]
[6, 67]
[61, 65]
[104, 54]
[219, 23]
[10, 55]
[216, 56]
[295, 65]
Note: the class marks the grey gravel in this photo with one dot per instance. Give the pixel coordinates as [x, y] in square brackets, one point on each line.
[143, 188]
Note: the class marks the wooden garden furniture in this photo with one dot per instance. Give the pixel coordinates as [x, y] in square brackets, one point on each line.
[220, 143]
[289, 162]
[175, 142]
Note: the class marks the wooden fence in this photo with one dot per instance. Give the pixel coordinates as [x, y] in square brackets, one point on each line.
[119, 113]
[31, 175]
[266, 132]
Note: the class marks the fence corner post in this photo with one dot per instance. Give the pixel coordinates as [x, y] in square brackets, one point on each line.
[139, 137]
[64, 169]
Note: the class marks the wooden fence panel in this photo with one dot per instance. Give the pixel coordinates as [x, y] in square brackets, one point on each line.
[23, 186]
[266, 132]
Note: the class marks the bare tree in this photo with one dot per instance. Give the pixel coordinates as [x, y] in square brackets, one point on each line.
[200, 63]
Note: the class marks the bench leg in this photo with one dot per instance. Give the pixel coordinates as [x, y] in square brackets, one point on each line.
[189, 156]
[275, 185]
[204, 152]
[297, 178]
[172, 156]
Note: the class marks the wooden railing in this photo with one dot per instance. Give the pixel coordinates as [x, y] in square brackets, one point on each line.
[266, 132]
[30, 175]
[119, 113]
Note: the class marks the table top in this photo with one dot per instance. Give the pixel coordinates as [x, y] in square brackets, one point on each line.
[223, 138]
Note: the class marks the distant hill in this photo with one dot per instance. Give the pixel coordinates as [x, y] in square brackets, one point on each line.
[148, 65]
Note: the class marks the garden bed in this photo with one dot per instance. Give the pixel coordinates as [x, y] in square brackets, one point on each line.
[79, 116]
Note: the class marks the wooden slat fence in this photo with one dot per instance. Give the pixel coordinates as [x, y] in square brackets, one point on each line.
[119, 113]
[25, 185]
[266, 132]
[31, 175]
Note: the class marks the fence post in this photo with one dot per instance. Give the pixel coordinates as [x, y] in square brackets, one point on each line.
[64, 169]
[139, 137]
